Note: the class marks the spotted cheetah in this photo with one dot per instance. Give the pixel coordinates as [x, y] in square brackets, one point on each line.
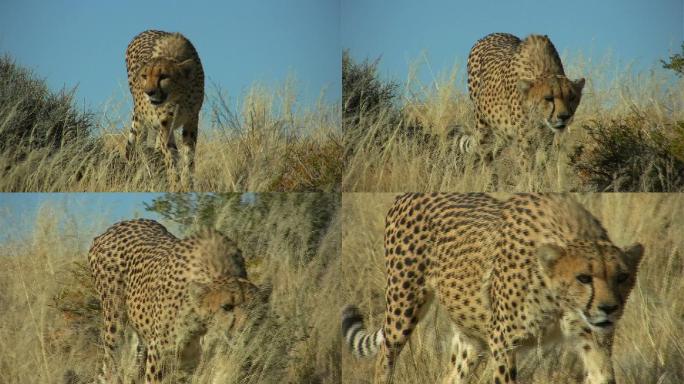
[510, 273]
[166, 79]
[515, 84]
[171, 292]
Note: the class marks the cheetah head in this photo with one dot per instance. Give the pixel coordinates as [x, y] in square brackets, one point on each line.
[162, 79]
[551, 101]
[226, 304]
[592, 279]
[220, 253]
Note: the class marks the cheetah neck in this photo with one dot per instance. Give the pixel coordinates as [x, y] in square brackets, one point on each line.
[175, 47]
[571, 221]
[537, 57]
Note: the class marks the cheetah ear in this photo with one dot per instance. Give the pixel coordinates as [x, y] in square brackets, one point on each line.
[548, 255]
[579, 84]
[187, 67]
[524, 86]
[633, 255]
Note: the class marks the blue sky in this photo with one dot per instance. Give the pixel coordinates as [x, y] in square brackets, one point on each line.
[634, 31]
[83, 42]
[94, 212]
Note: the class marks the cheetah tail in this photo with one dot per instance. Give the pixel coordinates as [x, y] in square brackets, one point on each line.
[362, 343]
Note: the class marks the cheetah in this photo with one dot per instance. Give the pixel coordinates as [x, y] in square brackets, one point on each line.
[509, 273]
[170, 291]
[515, 84]
[166, 79]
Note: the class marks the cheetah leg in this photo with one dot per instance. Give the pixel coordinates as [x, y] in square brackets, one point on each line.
[167, 145]
[505, 370]
[112, 336]
[401, 318]
[528, 150]
[133, 135]
[153, 365]
[188, 152]
[141, 358]
[485, 148]
[598, 363]
[465, 359]
[594, 349]
[484, 129]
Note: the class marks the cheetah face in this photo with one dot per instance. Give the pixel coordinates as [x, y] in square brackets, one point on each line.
[225, 304]
[551, 101]
[161, 79]
[591, 279]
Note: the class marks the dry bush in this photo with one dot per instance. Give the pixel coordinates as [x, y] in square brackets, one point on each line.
[39, 342]
[425, 139]
[49, 328]
[648, 346]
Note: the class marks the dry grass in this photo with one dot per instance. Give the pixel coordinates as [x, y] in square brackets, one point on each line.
[265, 141]
[592, 156]
[649, 347]
[49, 325]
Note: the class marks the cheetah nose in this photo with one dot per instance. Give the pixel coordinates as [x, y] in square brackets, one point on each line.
[563, 116]
[150, 92]
[608, 309]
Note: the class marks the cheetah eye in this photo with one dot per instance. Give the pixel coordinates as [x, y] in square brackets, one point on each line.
[548, 97]
[228, 307]
[584, 279]
[163, 76]
[622, 277]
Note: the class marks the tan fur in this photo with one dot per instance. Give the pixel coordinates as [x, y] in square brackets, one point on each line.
[174, 45]
[537, 57]
[171, 291]
[507, 272]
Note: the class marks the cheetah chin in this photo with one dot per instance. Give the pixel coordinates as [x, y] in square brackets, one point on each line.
[157, 100]
[602, 324]
[555, 128]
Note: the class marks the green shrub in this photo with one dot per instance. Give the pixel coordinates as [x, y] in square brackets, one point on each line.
[32, 117]
[366, 101]
[628, 157]
[674, 142]
[362, 90]
[676, 63]
[242, 216]
[371, 114]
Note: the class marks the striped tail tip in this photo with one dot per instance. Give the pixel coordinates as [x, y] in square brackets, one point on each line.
[361, 343]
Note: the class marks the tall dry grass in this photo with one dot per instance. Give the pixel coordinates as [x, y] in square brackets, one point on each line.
[264, 140]
[649, 345]
[627, 135]
[49, 323]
